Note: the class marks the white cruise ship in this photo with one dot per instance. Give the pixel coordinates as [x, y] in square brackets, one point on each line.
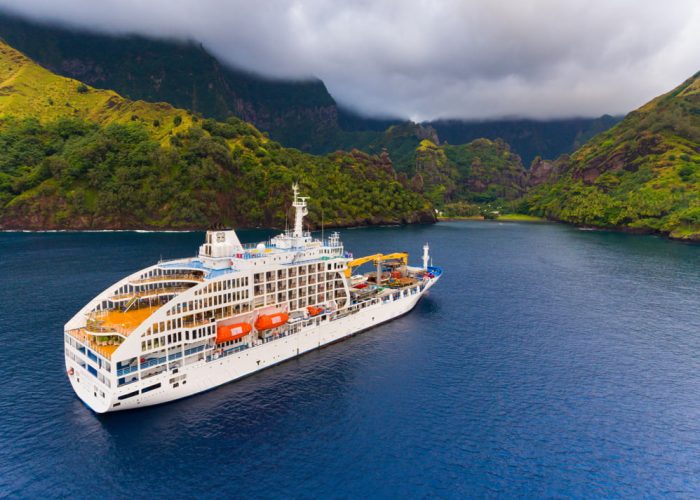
[184, 326]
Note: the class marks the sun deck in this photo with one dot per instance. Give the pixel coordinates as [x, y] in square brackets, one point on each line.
[121, 322]
[101, 347]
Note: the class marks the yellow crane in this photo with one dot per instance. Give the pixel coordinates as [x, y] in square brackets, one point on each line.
[377, 258]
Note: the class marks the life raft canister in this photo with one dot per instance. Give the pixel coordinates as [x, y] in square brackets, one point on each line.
[267, 321]
[314, 310]
[224, 333]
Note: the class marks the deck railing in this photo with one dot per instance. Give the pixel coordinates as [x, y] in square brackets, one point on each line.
[163, 290]
[169, 277]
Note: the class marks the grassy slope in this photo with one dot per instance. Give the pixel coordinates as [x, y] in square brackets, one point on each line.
[27, 89]
[94, 159]
[643, 174]
[181, 73]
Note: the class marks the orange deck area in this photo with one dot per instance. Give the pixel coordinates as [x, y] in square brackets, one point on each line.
[105, 324]
[126, 321]
[105, 350]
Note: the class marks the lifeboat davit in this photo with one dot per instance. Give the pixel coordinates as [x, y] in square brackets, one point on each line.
[267, 321]
[232, 332]
[314, 311]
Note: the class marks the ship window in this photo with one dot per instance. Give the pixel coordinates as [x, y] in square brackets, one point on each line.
[150, 388]
[127, 396]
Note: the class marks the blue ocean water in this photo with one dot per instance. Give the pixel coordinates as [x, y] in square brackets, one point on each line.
[547, 362]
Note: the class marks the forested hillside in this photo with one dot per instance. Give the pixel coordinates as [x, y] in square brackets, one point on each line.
[181, 73]
[300, 114]
[78, 157]
[643, 174]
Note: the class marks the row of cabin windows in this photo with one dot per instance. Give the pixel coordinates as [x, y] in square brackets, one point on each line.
[215, 300]
[219, 286]
[301, 289]
[293, 281]
[176, 338]
[85, 350]
[153, 273]
[303, 302]
[296, 271]
[203, 315]
[283, 295]
[230, 343]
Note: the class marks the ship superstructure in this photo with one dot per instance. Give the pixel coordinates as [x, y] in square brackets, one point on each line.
[185, 326]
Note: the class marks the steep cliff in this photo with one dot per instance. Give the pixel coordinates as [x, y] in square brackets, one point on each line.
[643, 174]
[181, 73]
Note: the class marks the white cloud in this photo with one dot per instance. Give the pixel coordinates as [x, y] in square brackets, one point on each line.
[431, 59]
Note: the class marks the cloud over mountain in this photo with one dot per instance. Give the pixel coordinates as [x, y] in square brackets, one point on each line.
[430, 59]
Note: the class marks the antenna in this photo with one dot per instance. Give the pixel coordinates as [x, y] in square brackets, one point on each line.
[321, 224]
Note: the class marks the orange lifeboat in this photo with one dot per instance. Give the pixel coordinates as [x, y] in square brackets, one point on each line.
[314, 310]
[267, 321]
[232, 332]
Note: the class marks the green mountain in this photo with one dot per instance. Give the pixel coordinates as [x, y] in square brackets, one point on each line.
[181, 73]
[643, 174]
[529, 138]
[79, 157]
[455, 178]
[462, 180]
[298, 114]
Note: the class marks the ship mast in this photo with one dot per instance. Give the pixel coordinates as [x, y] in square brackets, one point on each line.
[299, 205]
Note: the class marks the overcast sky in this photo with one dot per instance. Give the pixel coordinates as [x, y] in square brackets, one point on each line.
[431, 59]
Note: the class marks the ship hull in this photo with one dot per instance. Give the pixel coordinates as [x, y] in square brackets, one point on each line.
[207, 374]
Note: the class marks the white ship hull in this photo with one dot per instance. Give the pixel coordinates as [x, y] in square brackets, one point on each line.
[205, 375]
[185, 326]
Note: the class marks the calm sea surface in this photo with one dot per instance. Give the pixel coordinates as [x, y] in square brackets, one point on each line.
[547, 362]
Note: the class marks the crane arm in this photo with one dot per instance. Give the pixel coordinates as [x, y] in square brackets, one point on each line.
[374, 258]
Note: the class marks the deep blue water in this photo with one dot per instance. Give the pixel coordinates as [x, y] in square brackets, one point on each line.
[547, 362]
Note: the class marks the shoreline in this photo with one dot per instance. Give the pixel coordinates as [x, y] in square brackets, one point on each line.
[580, 227]
[502, 218]
[203, 229]
[508, 218]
